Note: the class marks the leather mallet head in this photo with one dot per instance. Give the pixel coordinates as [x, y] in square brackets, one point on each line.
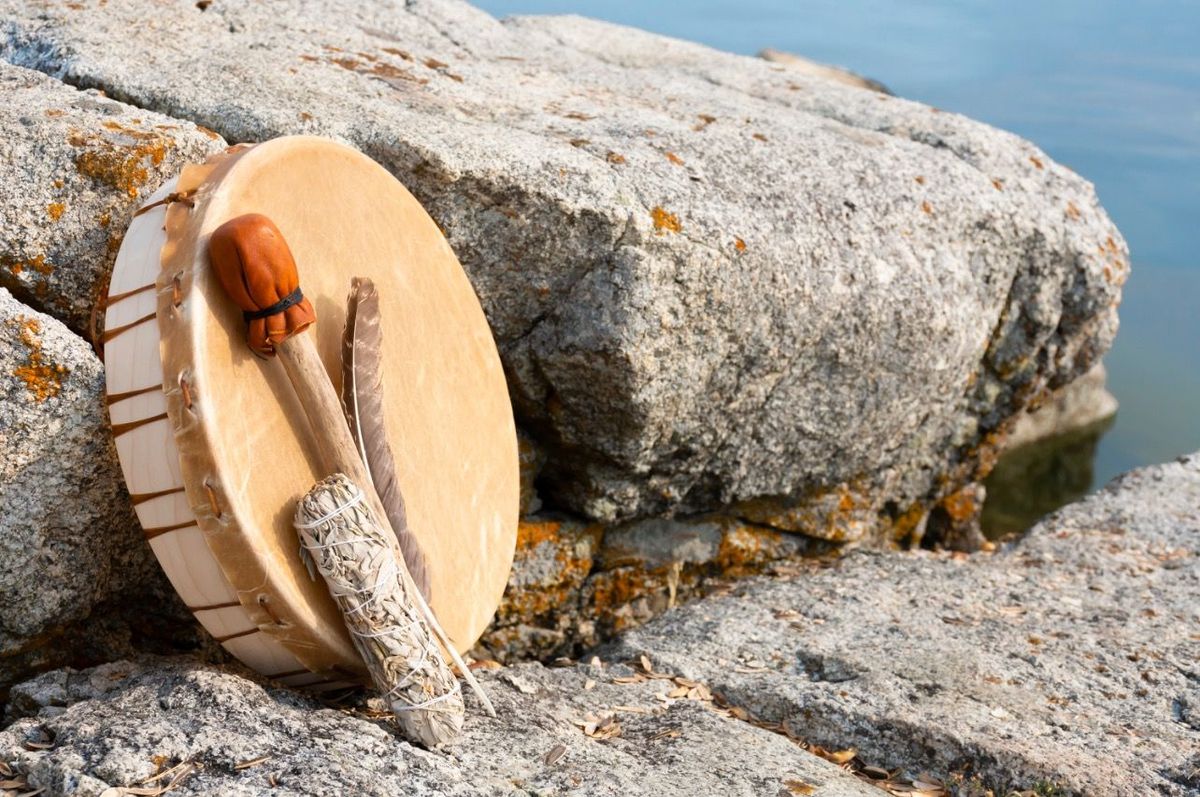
[257, 271]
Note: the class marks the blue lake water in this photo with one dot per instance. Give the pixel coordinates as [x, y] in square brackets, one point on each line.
[1110, 89]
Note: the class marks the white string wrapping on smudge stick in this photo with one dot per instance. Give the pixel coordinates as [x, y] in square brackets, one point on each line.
[341, 538]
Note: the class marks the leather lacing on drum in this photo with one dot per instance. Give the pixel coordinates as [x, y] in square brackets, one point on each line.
[185, 390]
[212, 499]
[184, 197]
[177, 291]
[264, 600]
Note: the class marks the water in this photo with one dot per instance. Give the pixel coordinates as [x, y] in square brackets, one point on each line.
[1110, 89]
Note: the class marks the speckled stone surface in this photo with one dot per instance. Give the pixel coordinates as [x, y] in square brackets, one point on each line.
[1067, 662]
[69, 540]
[119, 724]
[1071, 658]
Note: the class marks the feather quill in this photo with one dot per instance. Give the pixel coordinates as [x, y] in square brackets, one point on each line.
[362, 402]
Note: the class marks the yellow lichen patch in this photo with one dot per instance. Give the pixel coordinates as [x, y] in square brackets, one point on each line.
[36, 263]
[530, 534]
[744, 550]
[905, 526]
[389, 73]
[675, 159]
[55, 210]
[961, 506]
[42, 379]
[121, 157]
[665, 221]
[837, 514]
[346, 62]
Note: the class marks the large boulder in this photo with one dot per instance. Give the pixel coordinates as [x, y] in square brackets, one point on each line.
[74, 166]
[714, 280]
[69, 540]
[1070, 659]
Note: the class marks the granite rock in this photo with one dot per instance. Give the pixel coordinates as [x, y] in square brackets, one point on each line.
[1066, 663]
[807, 66]
[236, 736]
[76, 165]
[575, 584]
[69, 540]
[1082, 403]
[1070, 658]
[712, 279]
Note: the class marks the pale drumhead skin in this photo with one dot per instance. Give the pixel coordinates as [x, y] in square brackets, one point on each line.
[243, 453]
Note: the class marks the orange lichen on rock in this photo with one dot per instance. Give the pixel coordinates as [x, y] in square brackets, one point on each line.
[55, 210]
[43, 380]
[906, 526]
[739, 244]
[614, 157]
[837, 514]
[531, 534]
[927, 208]
[1072, 211]
[123, 157]
[17, 267]
[665, 221]
[675, 159]
[1037, 162]
[745, 550]
[961, 506]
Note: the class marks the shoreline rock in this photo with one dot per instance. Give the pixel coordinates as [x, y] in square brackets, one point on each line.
[713, 280]
[1070, 657]
[1067, 661]
[69, 539]
[807, 66]
[1082, 403]
[570, 730]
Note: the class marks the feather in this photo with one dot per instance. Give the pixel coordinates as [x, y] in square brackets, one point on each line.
[362, 402]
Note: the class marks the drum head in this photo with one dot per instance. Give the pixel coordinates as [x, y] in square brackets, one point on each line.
[244, 450]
